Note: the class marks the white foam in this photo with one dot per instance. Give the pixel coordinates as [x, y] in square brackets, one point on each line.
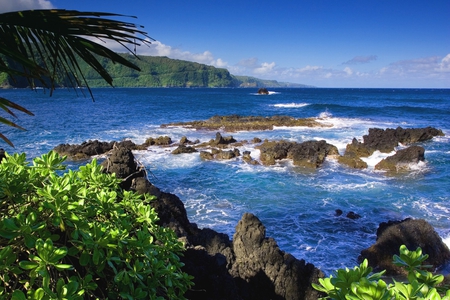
[375, 158]
[291, 105]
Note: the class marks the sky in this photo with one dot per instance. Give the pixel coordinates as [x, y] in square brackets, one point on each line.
[323, 43]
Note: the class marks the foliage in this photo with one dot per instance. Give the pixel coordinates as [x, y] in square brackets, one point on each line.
[360, 283]
[47, 45]
[77, 235]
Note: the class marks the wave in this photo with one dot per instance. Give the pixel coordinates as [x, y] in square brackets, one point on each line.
[290, 105]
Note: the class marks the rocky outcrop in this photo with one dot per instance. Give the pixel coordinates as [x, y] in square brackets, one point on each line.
[309, 154]
[266, 272]
[235, 123]
[385, 141]
[250, 267]
[402, 159]
[184, 149]
[411, 233]
[90, 148]
[159, 141]
[263, 91]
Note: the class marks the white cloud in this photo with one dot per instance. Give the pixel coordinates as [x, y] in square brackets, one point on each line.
[16, 5]
[265, 68]
[348, 71]
[444, 65]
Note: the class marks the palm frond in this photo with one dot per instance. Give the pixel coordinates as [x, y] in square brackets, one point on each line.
[46, 46]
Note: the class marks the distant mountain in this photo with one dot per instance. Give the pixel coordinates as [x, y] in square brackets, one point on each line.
[247, 81]
[158, 71]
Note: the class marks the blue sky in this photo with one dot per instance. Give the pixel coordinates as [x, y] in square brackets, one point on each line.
[325, 43]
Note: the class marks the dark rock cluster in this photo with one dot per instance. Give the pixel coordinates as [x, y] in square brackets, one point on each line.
[251, 266]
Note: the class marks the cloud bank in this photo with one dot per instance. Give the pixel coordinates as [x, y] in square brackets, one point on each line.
[360, 60]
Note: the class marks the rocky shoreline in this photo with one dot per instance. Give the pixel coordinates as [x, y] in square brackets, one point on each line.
[251, 265]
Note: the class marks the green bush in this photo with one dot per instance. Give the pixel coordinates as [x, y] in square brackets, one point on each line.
[361, 283]
[77, 235]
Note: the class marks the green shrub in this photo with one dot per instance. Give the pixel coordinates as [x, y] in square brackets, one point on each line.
[361, 283]
[77, 235]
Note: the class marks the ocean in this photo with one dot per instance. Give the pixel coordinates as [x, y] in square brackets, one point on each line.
[297, 206]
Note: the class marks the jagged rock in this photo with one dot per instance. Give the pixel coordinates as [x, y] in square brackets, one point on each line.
[272, 151]
[184, 140]
[184, 149]
[311, 154]
[90, 148]
[220, 140]
[266, 271]
[402, 159]
[263, 91]
[250, 267]
[256, 140]
[226, 155]
[159, 141]
[205, 155]
[121, 162]
[386, 140]
[248, 158]
[411, 233]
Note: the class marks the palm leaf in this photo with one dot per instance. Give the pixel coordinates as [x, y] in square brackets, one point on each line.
[46, 46]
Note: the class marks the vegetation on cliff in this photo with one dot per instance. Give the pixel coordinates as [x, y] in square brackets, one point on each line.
[159, 71]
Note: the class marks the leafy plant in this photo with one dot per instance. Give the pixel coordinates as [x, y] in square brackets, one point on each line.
[77, 235]
[360, 283]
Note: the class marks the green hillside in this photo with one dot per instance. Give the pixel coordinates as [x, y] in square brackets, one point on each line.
[158, 71]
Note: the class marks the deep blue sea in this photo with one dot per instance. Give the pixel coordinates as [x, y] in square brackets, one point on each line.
[297, 206]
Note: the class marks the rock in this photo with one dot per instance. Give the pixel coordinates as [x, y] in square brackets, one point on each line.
[250, 267]
[184, 149]
[121, 162]
[266, 271]
[402, 160]
[386, 140]
[184, 140]
[90, 148]
[159, 141]
[2, 154]
[263, 91]
[411, 233]
[205, 155]
[223, 140]
[353, 161]
[338, 212]
[311, 154]
[246, 157]
[256, 140]
[272, 151]
[226, 155]
[234, 123]
[352, 215]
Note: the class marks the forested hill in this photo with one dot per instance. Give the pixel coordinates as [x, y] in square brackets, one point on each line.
[158, 71]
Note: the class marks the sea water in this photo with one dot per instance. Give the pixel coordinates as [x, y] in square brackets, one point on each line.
[297, 206]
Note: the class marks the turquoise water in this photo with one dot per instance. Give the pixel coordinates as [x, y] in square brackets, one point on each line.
[297, 206]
